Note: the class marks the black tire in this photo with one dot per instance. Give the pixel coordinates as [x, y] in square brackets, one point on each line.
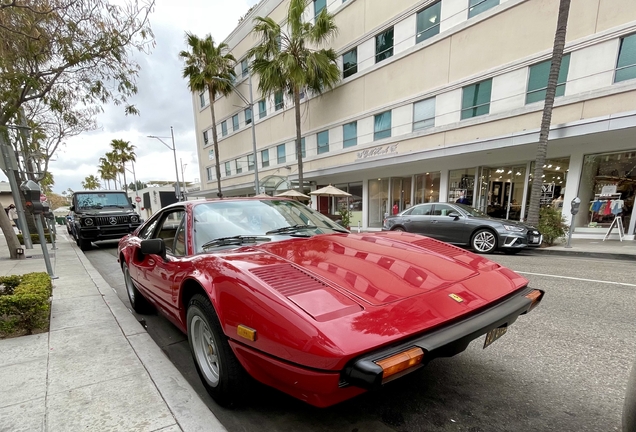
[512, 251]
[139, 303]
[220, 371]
[484, 241]
[84, 244]
[398, 229]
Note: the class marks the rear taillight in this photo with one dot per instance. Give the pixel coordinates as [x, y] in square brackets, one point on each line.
[535, 297]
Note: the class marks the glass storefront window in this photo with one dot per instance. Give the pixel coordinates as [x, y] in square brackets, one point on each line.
[427, 187]
[555, 175]
[616, 172]
[378, 201]
[461, 186]
[354, 201]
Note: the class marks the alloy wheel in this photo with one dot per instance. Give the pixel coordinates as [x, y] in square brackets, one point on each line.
[484, 241]
[205, 350]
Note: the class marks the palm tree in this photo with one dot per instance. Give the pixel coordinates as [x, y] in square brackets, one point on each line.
[287, 62]
[107, 171]
[542, 147]
[113, 160]
[209, 66]
[124, 152]
[91, 183]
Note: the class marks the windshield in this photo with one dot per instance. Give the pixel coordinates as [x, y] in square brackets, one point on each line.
[471, 211]
[221, 219]
[101, 200]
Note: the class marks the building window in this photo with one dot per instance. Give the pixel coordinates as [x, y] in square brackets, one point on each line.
[626, 64]
[319, 5]
[224, 127]
[211, 154]
[377, 204]
[239, 168]
[323, 142]
[244, 68]
[202, 99]
[428, 22]
[382, 126]
[538, 79]
[248, 116]
[235, 122]
[476, 99]
[262, 108]
[384, 45]
[228, 169]
[250, 162]
[205, 137]
[424, 114]
[478, 6]
[208, 172]
[350, 134]
[280, 154]
[302, 148]
[265, 158]
[427, 187]
[278, 101]
[350, 63]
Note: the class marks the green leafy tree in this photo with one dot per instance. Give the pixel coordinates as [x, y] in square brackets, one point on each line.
[209, 67]
[123, 152]
[91, 183]
[546, 119]
[294, 62]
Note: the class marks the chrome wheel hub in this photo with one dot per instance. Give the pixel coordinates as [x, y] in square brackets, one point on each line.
[129, 285]
[484, 241]
[205, 350]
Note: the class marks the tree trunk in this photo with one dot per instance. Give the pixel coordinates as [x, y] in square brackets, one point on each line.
[215, 142]
[299, 148]
[125, 184]
[546, 120]
[9, 234]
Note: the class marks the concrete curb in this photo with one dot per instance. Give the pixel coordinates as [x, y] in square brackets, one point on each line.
[185, 405]
[583, 254]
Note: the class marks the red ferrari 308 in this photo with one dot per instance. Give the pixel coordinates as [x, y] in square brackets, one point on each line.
[271, 289]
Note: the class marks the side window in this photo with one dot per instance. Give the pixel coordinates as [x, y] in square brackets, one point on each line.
[168, 227]
[422, 210]
[179, 240]
[147, 231]
[443, 210]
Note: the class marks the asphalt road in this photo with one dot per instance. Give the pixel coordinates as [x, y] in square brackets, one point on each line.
[563, 367]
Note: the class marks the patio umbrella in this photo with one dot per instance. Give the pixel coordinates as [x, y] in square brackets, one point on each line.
[292, 194]
[330, 191]
[262, 196]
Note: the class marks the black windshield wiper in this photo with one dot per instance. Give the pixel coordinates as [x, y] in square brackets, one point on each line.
[290, 229]
[234, 240]
[115, 205]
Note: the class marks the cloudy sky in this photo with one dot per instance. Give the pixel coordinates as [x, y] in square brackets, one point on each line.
[163, 99]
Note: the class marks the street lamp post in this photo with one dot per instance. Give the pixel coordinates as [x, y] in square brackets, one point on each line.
[250, 104]
[174, 152]
[185, 189]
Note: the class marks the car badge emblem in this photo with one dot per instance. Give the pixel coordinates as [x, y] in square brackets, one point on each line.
[113, 220]
[457, 298]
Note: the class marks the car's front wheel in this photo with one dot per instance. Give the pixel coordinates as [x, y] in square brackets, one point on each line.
[223, 376]
[84, 244]
[484, 241]
[399, 229]
[138, 302]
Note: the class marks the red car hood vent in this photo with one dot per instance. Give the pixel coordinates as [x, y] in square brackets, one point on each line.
[315, 297]
[475, 261]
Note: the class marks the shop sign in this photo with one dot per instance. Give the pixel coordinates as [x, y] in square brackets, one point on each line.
[608, 190]
[547, 193]
[378, 151]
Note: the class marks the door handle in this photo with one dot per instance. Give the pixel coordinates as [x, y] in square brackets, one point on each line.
[151, 261]
[433, 221]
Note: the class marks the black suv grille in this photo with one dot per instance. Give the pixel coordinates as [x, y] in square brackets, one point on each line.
[106, 220]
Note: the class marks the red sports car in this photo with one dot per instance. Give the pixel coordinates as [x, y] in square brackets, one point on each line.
[272, 288]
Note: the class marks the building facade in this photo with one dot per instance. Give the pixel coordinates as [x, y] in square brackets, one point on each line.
[441, 100]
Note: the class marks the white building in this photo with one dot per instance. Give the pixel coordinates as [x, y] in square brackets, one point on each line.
[444, 98]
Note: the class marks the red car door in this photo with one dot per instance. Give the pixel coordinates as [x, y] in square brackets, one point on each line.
[158, 275]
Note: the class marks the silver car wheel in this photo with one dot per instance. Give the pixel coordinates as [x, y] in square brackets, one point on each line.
[205, 350]
[484, 241]
[130, 288]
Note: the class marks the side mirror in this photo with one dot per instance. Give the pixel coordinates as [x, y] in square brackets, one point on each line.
[153, 247]
[454, 215]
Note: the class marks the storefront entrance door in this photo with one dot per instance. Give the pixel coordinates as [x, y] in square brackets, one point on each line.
[505, 191]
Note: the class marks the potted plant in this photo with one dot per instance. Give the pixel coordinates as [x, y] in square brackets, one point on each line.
[345, 217]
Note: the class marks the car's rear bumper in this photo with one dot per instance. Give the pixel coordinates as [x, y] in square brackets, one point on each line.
[443, 342]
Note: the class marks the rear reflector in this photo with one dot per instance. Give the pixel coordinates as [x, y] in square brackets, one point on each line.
[399, 362]
[535, 297]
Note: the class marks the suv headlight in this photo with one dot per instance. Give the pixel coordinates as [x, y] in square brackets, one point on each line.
[134, 218]
[88, 221]
[514, 228]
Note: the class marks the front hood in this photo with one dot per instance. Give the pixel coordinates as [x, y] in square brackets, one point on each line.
[374, 269]
[105, 212]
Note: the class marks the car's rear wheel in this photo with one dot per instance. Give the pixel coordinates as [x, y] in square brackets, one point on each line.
[400, 229]
[138, 302]
[220, 371]
[484, 241]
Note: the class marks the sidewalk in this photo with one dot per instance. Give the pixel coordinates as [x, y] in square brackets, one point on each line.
[593, 248]
[97, 369]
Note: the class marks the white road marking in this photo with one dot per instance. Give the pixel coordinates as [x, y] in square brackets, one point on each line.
[579, 279]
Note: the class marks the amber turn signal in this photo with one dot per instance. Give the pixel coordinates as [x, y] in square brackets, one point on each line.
[246, 332]
[534, 296]
[401, 361]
